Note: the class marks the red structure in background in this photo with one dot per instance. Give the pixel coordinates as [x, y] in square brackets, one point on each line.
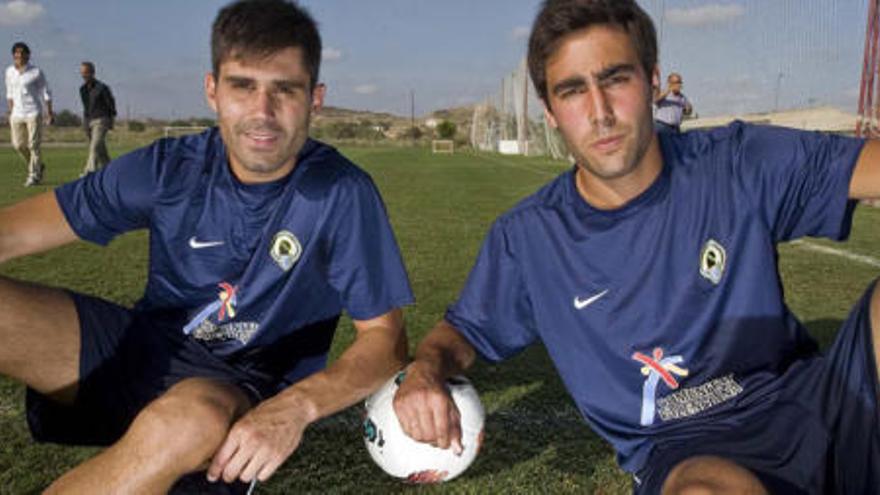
[868, 124]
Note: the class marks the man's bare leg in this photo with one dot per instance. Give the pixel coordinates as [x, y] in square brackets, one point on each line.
[706, 475]
[176, 434]
[41, 338]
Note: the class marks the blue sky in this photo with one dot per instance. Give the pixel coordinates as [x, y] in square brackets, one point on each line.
[735, 55]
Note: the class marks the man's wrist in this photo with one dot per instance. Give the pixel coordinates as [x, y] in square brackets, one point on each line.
[426, 367]
[301, 403]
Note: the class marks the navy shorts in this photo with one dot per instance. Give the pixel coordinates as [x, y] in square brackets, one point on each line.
[127, 359]
[819, 435]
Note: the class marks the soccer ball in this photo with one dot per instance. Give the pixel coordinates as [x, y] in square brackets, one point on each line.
[416, 462]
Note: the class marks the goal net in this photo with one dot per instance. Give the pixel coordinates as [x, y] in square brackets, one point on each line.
[796, 63]
[512, 120]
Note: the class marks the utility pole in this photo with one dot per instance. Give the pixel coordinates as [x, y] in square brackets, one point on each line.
[412, 115]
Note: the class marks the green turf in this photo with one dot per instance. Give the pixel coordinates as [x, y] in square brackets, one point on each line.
[440, 206]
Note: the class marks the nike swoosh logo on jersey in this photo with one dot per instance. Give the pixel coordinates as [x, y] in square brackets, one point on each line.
[581, 304]
[196, 244]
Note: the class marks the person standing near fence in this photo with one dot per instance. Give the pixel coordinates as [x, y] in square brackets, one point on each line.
[99, 112]
[671, 105]
[26, 90]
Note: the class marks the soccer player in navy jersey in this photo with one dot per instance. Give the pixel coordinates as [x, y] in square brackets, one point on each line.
[259, 238]
[648, 271]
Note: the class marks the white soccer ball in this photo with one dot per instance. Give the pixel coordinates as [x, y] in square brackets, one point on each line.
[416, 462]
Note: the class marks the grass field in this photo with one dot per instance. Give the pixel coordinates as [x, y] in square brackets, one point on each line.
[440, 206]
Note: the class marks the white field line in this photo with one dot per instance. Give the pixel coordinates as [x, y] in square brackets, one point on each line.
[859, 258]
[8, 407]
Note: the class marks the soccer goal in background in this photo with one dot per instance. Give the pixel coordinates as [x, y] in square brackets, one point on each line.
[177, 131]
[443, 146]
[794, 63]
[511, 122]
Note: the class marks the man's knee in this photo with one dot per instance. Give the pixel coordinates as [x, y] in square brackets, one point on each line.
[189, 422]
[22, 148]
[40, 332]
[708, 475]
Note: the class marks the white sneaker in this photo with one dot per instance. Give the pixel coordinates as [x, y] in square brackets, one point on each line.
[31, 182]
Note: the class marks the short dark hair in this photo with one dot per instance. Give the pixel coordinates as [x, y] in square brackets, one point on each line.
[558, 18]
[21, 44]
[88, 64]
[263, 27]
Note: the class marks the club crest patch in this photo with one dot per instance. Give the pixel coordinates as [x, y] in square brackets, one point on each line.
[713, 260]
[285, 250]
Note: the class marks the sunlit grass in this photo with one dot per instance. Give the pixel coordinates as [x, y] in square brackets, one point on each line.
[440, 206]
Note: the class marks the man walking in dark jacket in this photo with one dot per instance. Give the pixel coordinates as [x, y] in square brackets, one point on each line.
[99, 111]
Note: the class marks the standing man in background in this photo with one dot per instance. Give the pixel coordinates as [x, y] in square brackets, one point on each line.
[99, 111]
[671, 106]
[26, 90]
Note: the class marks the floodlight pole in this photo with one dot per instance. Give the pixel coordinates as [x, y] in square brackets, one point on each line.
[503, 108]
[522, 127]
[778, 89]
[662, 22]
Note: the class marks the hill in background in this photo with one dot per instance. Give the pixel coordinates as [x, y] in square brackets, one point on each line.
[334, 123]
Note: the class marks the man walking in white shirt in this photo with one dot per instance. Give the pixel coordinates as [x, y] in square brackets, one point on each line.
[26, 90]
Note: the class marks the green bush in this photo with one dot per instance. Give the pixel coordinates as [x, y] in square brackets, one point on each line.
[66, 118]
[446, 130]
[204, 122]
[136, 126]
[349, 130]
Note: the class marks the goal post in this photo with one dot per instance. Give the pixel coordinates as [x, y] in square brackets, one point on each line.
[446, 146]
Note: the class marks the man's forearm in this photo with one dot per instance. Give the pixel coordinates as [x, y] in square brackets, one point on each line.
[33, 225]
[444, 351]
[376, 354]
[865, 181]
[660, 96]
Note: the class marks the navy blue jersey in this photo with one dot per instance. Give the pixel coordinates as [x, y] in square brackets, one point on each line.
[247, 267]
[667, 312]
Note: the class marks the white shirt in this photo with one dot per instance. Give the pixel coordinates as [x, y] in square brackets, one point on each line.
[27, 90]
[670, 110]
